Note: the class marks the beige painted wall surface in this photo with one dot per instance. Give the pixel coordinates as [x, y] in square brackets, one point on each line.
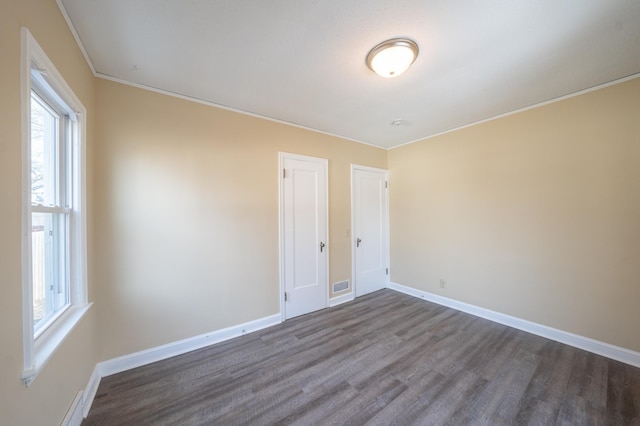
[536, 215]
[187, 215]
[46, 401]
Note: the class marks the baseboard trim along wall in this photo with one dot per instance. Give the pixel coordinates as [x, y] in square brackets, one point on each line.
[74, 415]
[147, 356]
[90, 391]
[338, 300]
[600, 348]
[83, 401]
[158, 353]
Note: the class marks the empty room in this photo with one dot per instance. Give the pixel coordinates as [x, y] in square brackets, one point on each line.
[320, 212]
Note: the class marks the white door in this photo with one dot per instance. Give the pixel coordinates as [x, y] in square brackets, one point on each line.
[303, 216]
[370, 229]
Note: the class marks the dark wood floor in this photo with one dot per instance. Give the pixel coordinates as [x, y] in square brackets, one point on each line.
[384, 359]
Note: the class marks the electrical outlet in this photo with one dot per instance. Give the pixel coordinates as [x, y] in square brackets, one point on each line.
[443, 284]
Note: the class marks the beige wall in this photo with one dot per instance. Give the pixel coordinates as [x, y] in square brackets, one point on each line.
[46, 401]
[535, 215]
[187, 215]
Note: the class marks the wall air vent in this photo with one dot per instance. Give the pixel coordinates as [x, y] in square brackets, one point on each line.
[340, 286]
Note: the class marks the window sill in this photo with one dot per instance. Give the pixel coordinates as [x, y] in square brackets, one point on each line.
[47, 343]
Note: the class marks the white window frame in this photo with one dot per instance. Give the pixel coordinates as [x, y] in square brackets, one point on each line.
[38, 348]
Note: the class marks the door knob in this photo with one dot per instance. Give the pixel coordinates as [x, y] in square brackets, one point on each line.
[321, 246]
[358, 241]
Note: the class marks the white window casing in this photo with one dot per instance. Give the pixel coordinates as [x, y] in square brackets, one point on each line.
[40, 76]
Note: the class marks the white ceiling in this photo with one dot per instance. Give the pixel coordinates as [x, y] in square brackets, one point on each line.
[303, 61]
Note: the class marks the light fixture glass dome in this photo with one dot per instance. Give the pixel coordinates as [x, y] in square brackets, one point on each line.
[392, 57]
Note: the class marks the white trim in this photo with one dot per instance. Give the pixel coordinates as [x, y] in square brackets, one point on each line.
[287, 123]
[76, 36]
[74, 415]
[212, 104]
[46, 345]
[369, 169]
[228, 108]
[37, 351]
[523, 109]
[281, 157]
[27, 290]
[90, 391]
[355, 167]
[339, 300]
[600, 348]
[353, 229]
[281, 235]
[191, 98]
[158, 353]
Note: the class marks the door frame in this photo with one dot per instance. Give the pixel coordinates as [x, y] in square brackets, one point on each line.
[281, 157]
[355, 167]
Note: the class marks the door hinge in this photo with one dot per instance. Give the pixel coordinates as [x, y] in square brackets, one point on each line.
[387, 271]
[285, 296]
[386, 184]
[284, 173]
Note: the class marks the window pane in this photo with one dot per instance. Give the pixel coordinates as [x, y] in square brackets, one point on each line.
[37, 259]
[44, 132]
[50, 284]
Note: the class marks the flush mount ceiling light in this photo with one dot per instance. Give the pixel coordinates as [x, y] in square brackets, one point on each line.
[392, 57]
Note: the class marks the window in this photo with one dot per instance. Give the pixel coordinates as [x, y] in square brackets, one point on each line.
[54, 266]
[49, 211]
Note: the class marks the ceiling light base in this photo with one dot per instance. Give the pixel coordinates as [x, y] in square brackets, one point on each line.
[392, 57]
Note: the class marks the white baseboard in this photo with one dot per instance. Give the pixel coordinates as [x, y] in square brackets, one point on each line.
[90, 391]
[147, 356]
[338, 300]
[74, 415]
[605, 349]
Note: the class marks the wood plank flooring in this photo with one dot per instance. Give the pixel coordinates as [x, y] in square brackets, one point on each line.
[384, 359]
